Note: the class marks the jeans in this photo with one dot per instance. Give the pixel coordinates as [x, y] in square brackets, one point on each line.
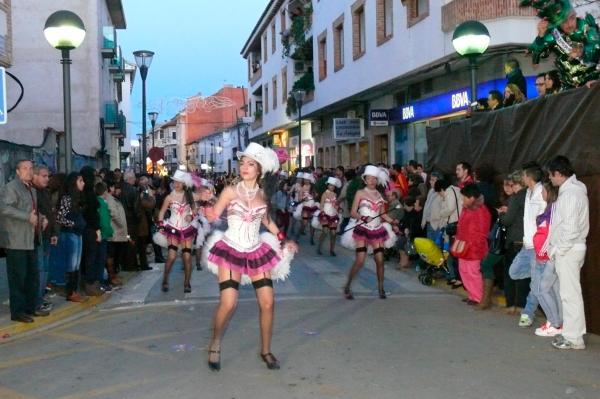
[23, 279]
[545, 287]
[43, 261]
[434, 235]
[69, 250]
[520, 269]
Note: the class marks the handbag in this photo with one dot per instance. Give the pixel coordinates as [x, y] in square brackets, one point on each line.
[459, 248]
[497, 239]
[451, 228]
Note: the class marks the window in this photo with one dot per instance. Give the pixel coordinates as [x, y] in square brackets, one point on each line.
[175, 153]
[338, 43]
[284, 93]
[417, 10]
[174, 135]
[266, 98]
[358, 29]
[274, 91]
[323, 55]
[283, 21]
[385, 18]
[273, 37]
[265, 50]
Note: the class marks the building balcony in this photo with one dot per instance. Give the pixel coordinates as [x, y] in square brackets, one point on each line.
[459, 11]
[109, 42]
[114, 120]
[257, 124]
[116, 64]
[256, 75]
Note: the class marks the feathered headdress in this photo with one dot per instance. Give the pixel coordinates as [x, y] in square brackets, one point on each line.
[555, 11]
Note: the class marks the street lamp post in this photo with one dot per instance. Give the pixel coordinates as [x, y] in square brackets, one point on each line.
[299, 97]
[143, 59]
[65, 31]
[471, 39]
[153, 115]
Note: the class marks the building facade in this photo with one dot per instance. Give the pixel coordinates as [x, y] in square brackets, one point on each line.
[97, 74]
[361, 62]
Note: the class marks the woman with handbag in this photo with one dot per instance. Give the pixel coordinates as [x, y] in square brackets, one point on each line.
[449, 213]
[470, 245]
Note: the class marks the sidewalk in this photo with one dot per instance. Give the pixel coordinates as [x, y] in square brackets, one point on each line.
[63, 311]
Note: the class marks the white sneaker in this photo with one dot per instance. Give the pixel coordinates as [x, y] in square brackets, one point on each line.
[546, 330]
[525, 321]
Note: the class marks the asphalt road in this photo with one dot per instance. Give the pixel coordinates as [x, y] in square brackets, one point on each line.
[421, 342]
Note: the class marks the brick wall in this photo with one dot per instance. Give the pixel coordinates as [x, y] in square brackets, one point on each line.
[460, 11]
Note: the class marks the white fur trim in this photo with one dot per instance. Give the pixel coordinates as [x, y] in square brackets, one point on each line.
[298, 212]
[393, 238]
[160, 239]
[315, 223]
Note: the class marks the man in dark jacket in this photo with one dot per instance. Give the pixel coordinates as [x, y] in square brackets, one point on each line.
[49, 236]
[130, 200]
[515, 75]
[19, 221]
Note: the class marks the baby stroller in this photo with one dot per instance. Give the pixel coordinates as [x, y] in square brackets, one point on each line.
[434, 257]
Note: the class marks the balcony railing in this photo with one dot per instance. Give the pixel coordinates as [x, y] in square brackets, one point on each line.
[109, 42]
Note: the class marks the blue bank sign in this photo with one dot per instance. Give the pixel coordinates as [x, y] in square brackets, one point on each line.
[3, 113]
[450, 102]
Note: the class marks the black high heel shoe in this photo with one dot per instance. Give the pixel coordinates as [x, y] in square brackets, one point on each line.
[165, 286]
[214, 366]
[382, 294]
[348, 294]
[270, 360]
[187, 289]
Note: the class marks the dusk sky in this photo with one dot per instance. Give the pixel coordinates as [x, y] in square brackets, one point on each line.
[197, 46]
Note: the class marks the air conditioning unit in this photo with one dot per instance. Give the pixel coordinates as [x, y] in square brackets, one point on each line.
[351, 114]
[299, 67]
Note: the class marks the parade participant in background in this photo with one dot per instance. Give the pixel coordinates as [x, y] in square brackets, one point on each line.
[574, 41]
[329, 217]
[242, 254]
[295, 192]
[203, 197]
[281, 202]
[307, 206]
[367, 229]
[178, 232]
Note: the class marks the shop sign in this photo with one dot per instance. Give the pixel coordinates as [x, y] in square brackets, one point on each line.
[379, 117]
[348, 128]
[450, 102]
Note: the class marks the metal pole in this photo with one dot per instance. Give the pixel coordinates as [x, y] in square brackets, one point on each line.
[68, 142]
[153, 163]
[300, 133]
[144, 73]
[473, 69]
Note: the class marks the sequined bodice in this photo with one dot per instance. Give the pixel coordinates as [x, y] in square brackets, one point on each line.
[368, 207]
[243, 224]
[329, 206]
[179, 213]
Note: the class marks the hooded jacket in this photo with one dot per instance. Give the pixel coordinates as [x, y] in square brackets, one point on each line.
[570, 222]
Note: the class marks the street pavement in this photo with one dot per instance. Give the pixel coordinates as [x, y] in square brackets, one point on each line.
[421, 342]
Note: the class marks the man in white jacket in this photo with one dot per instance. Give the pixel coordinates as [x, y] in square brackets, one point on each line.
[569, 228]
[524, 262]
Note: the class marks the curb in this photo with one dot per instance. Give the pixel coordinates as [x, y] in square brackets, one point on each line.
[66, 313]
